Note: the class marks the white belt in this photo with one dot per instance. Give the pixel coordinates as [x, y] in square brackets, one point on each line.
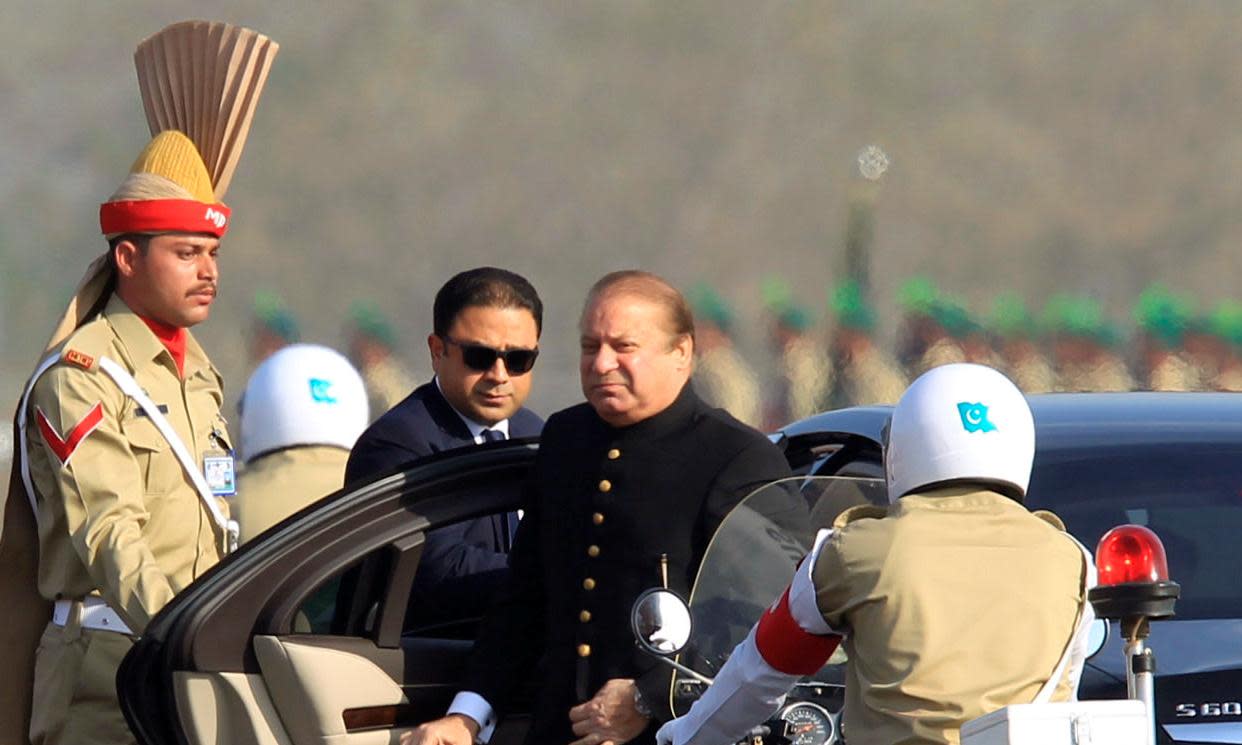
[95, 615]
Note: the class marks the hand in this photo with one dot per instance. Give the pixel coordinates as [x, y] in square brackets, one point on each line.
[610, 718]
[454, 729]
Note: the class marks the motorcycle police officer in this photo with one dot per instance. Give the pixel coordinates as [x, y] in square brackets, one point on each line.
[953, 601]
[303, 409]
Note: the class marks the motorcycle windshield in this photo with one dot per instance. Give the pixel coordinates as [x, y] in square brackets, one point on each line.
[751, 560]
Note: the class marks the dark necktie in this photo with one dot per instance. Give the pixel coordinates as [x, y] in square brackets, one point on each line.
[510, 518]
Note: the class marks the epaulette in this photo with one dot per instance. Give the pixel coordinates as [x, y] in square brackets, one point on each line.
[1050, 518]
[83, 347]
[78, 358]
[860, 512]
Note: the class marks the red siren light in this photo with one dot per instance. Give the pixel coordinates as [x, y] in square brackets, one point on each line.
[1131, 553]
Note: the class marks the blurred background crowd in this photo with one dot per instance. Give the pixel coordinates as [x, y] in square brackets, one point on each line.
[831, 356]
[1044, 148]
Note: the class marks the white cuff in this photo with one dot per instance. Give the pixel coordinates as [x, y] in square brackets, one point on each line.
[802, 603]
[471, 704]
[745, 693]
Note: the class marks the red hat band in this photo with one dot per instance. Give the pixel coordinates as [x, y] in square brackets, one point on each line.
[164, 216]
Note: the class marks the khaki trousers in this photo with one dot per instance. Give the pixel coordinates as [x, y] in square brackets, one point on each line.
[75, 697]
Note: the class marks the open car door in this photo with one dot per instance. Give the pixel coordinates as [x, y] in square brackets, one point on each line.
[300, 637]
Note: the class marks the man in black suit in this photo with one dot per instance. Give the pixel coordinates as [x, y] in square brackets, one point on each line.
[483, 347]
[643, 469]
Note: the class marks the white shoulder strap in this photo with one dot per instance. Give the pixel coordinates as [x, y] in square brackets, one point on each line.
[21, 431]
[126, 383]
[1076, 648]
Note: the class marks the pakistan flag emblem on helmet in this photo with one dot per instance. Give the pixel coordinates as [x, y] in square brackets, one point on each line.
[975, 417]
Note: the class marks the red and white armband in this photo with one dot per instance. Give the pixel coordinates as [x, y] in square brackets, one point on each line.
[791, 640]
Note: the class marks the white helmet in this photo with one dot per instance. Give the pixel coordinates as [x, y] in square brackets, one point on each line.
[960, 422]
[304, 394]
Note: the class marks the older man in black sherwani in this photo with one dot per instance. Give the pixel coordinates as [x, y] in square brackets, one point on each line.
[642, 469]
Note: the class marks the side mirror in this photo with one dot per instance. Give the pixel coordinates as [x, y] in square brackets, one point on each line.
[660, 621]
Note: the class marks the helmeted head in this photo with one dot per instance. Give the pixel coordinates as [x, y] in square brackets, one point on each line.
[304, 394]
[960, 423]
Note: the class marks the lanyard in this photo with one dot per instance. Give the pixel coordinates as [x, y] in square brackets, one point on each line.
[129, 386]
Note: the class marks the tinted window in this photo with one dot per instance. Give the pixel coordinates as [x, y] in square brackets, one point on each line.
[1190, 494]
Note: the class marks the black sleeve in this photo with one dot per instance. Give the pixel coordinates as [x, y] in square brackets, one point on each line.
[759, 462]
[511, 637]
[456, 574]
[374, 454]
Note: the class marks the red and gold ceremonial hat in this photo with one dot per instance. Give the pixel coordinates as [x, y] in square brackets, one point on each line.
[200, 83]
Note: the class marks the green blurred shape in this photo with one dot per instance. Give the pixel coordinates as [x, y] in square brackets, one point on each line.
[1226, 322]
[851, 306]
[1163, 315]
[1010, 318]
[951, 314]
[272, 313]
[369, 321]
[1075, 315]
[709, 305]
[918, 296]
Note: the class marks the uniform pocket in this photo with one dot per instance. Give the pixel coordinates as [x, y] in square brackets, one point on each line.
[161, 471]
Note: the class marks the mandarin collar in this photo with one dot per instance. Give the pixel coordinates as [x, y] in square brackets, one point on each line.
[676, 416]
[144, 346]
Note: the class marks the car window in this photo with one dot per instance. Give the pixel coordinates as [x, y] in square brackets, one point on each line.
[346, 603]
[1190, 495]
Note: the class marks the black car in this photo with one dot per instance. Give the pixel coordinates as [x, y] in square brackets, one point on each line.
[301, 636]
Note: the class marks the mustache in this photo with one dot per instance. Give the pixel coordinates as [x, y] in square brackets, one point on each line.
[204, 287]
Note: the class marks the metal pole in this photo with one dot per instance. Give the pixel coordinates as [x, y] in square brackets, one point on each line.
[1140, 681]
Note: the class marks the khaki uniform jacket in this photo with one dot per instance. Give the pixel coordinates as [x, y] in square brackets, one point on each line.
[808, 377]
[117, 515]
[1032, 374]
[943, 352]
[1108, 373]
[276, 485]
[387, 382]
[870, 378]
[725, 380]
[955, 603]
[1175, 373]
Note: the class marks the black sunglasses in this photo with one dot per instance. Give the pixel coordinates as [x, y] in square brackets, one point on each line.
[481, 358]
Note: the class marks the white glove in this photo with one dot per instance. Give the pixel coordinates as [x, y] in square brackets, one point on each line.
[746, 692]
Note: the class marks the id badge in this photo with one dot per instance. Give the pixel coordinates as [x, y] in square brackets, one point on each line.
[220, 474]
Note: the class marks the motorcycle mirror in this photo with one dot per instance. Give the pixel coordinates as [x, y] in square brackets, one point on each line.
[660, 620]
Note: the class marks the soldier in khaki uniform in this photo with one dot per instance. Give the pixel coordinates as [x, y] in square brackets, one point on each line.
[1163, 319]
[273, 327]
[1224, 365]
[1019, 353]
[371, 344]
[721, 375]
[865, 374]
[932, 641]
[804, 373]
[1083, 346]
[303, 409]
[124, 458]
